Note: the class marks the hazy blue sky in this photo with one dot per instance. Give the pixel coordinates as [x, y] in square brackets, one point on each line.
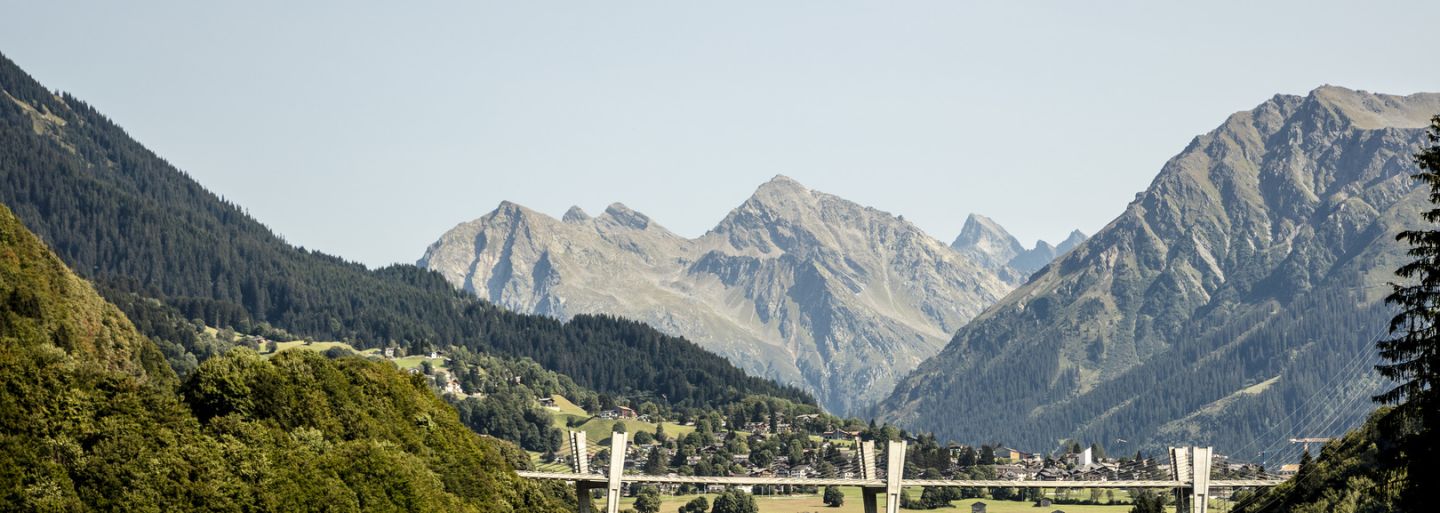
[369, 131]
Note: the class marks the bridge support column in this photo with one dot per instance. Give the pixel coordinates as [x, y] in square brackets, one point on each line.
[894, 475]
[617, 469]
[866, 450]
[1200, 479]
[1191, 465]
[583, 502]
[579, 460]
[1180, 471]
[871, 505]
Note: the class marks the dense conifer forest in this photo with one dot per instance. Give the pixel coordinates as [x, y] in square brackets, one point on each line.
[174, 255]
[93, 420]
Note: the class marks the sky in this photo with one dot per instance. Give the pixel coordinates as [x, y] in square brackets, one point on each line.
[367, 130]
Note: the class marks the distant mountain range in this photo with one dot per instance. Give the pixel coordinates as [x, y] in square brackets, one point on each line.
[1245, 282]
[794, 284]
[985, 241]
[166, 250]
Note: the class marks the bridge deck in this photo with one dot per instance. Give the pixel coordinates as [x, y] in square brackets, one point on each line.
[876, 483]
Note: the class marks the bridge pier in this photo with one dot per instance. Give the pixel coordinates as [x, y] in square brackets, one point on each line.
[869, 501]
[894, 474]
[1192, 465]
[580, 464]
[583, 502]
[616, 470]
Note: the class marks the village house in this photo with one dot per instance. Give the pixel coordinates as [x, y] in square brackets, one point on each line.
[452, 386]
[620, 412]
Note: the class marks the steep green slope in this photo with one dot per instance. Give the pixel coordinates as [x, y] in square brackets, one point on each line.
[89, 419]
[1360, 472]
[142, 229]
[1258, 255]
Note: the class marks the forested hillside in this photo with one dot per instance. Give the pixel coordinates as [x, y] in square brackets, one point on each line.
[91, 421]
[169, 251]
[1234, 303]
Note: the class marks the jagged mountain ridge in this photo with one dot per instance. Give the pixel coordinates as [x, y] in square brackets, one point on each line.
[1243, 281]
[793, 284]
[158, 244]
[986, 241]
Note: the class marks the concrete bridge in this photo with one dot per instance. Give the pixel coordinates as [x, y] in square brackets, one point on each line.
[1189, 478]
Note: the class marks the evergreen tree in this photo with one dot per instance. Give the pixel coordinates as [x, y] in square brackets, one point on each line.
[647, 500]
[834, 497]
[653, 464]
[1147, 501]
[734, 501]
[696, 505]
[1413, 357]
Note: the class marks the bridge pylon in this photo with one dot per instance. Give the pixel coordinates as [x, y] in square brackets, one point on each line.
[580, 464]
[617, 469]
[1191, 466]
[894, 473]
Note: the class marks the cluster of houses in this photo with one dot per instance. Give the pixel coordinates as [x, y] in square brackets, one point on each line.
[445, 381]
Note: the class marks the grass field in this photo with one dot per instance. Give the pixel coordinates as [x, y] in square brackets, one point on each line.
[597, 430]
[318, 346]
[567, 407]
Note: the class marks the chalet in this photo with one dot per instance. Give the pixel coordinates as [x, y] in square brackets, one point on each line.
[839, 435]
[1051, 474]
[620, 412]
[1012, 454]
[452, 386]
[1010, 471]
[549, 403]
[389, 352]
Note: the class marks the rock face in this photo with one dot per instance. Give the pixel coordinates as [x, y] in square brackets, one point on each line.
[1246, 280]
[988, 243]
[794, 284]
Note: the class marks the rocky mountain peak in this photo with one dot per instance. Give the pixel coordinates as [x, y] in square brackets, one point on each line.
[802, 286]
[1074, 239]
[1366, 110]
[575, 215]
[983, 236]
[783, 183]
[781, 197]
[1279, 221]
[624, 216]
